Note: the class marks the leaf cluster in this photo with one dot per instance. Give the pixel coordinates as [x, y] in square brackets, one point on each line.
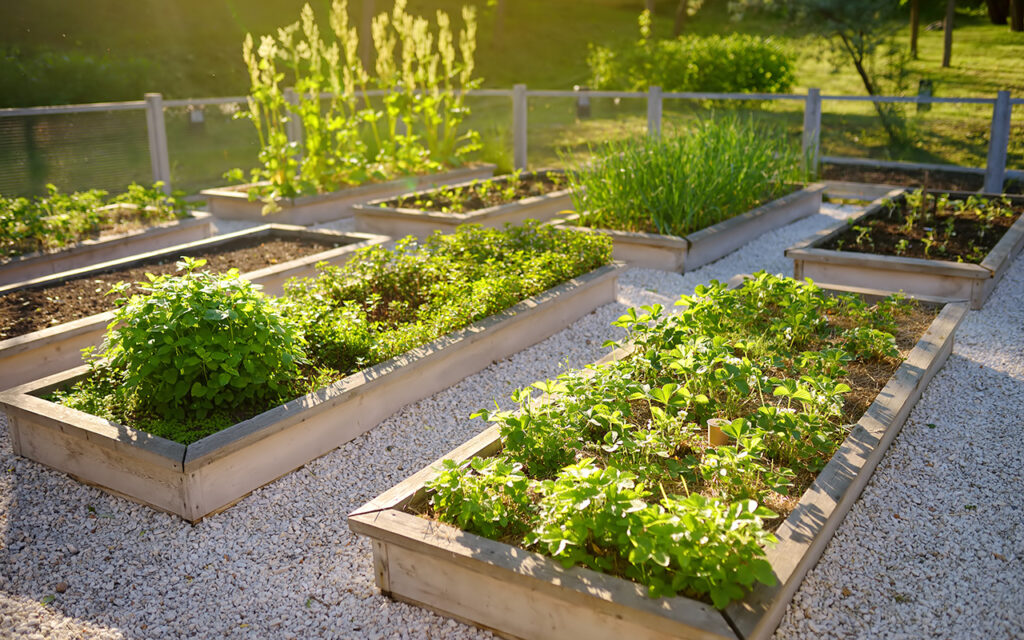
[720, 64]
[658, 467]
[57, 219]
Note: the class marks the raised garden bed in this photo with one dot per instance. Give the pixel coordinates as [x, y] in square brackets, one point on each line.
[922, 254]
[107, 247]
[28, 352]
[233, 203]
[686, 253]
[491, 203]
[206, 476]
[522, 594]
[870, 180]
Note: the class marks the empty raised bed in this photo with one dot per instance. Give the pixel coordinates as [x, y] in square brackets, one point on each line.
[198, 473]
[42, 337]
[493, 202]
[951, 245]
[534, 492]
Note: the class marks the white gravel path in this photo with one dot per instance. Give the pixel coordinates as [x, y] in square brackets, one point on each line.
[282, 563]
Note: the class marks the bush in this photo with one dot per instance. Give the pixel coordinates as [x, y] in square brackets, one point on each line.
[719, 64]
[200, 343]
[676, 185]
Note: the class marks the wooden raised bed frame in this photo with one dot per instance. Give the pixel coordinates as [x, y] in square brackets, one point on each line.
[680, 254]
[90, 252]
[920, 276]
[232, 203]
[398, 221]
[58, 348]
[521, 594]
[209, 475]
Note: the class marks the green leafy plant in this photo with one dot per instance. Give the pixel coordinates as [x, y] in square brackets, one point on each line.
[716, 169]
[722, 64]
[479, 194]
[57, 219]
[346, 138]
[614, 469]
[198, 343]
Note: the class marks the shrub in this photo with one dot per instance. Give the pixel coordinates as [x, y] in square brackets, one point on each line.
[199, 343]
[720, 64]
[710, 172]
[29, 79]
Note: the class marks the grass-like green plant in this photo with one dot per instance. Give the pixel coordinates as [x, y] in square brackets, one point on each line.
[678, 184]
[346, 138]
[614, 469]
[200, 352]
[57, 219]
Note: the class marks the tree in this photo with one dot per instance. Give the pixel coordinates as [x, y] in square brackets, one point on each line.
[862, 32]
[998, 10]
[947, 33]
[1016, 15]
[915, 23]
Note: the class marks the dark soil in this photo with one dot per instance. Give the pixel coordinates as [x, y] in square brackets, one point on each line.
[970, 240]
[28, 310]
[946, 180]
[483, 194]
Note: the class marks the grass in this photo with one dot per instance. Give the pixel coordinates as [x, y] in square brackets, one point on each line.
[680, 184]
[197, 45]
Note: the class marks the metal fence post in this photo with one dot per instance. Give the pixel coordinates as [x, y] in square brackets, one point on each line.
[654, 101]
[811, 141]
[157, 129]
[293, 129]
[998, 141]
[519, 126]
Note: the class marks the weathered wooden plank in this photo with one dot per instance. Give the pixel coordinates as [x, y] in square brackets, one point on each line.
[438, 564]
[233, 202]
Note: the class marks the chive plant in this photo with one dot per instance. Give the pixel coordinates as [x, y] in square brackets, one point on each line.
[712, 171]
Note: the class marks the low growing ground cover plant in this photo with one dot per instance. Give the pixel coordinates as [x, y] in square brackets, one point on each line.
[480, 194]
[57, 219]
[614, 468]
[346, 138]
[198, 352]
[721, 64]
[933, 225]
[707, 173]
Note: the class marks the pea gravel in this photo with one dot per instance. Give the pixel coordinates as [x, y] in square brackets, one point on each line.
[933, 548]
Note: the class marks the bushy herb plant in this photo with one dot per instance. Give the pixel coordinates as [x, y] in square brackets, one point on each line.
[479, 194]
[347, 139]
[710, 172]
[715, 64]
[58, 219]
[613, 468]
[195, 346]
[200, 352]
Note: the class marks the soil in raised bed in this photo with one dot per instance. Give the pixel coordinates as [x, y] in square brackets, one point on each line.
[972, 238]
[482, 194]
[919, 178]
[31, 309]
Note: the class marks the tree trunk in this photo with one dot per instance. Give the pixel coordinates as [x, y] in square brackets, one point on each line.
[915, 22]
[682, 13]
[947, 32]
[998, 10]
[1016, 15]
[892, 128]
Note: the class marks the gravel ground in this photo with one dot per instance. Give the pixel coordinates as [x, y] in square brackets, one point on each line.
[283, 564]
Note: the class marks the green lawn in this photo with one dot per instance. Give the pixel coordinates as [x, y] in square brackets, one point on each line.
[542, 43]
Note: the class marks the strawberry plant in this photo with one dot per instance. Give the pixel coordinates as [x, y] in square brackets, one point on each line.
[621, 465]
